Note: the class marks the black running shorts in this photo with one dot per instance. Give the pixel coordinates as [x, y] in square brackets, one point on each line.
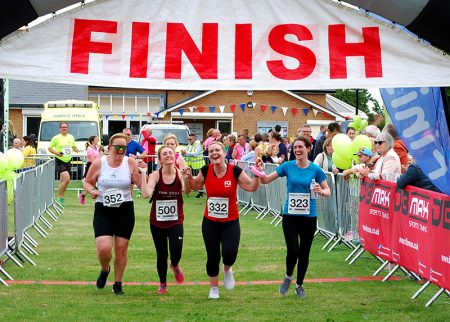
[62, 166]
[111, 221]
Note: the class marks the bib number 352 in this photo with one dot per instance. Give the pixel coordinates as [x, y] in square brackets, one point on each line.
[299, 203]
[112, 198]
[218, 207]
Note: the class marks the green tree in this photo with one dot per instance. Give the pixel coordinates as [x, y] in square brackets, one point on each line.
[349, 96]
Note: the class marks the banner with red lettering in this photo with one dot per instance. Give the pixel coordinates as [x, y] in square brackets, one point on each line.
[216, 44]
[417, 233]
[375, 217]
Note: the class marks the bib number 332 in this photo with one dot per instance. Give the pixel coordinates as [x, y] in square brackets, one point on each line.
[218, 207]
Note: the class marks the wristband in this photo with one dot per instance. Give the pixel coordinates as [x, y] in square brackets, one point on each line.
[92, 190]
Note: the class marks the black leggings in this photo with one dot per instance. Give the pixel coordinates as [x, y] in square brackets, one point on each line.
[215, 233]
[160, 236]
[298, 234]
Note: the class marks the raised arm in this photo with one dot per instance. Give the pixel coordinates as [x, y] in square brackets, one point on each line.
[246, 183]
[148, 183]
[196, 183]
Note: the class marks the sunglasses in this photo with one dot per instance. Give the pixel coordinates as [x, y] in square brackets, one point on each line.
[378, 142]
[120, 147]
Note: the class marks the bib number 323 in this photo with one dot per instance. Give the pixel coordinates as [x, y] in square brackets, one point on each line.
[112, 198]
[218, 207]
[298, 203]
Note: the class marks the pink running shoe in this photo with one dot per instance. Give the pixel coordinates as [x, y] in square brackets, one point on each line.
[178, 272]
[163, 288]
[82, 197]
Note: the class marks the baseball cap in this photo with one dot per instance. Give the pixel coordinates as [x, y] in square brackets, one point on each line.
[365, 151]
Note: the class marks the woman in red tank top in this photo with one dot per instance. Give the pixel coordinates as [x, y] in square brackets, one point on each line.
[220, 227]
[166, 216]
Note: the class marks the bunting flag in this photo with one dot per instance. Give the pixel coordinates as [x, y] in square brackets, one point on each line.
[263, 107]
[149, 114]
[132, 116]
[201, 109]
[284, 110]
[106, 116]
[294, 111]
[212, 109]
[233, 107]
[274, 108]
[305, 111]
[221, 108]
[157, 114]
[181, 111]
[315, 112]
[191, 109]
[242, 105]
[326, 115]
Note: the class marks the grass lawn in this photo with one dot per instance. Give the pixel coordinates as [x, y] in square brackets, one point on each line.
[69, 255]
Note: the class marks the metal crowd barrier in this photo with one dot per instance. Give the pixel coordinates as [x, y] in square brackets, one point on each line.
[33, 197]
[338, 214]
[3, 227]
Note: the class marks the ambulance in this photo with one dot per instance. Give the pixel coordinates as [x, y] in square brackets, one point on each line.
[83, 119]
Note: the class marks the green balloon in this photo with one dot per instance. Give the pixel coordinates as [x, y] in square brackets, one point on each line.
[357, 121]
[342, 144]
[15, 159]
[361, 141]
[341, 162]
[3, 162]
[351, 124]
[364, 124]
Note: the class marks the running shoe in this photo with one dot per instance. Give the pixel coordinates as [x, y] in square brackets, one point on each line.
[178, 272]
[213, 293]
[228, 279]
[163, 288]
[61, 201]
[101, 280]
[117, 288]
[284, 287]
[82, 199]
[300, 291]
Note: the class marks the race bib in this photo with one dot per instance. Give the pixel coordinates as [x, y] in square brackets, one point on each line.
[298, 203]
[66, 150]
[166, 210]
[218, 207]
[113, 198]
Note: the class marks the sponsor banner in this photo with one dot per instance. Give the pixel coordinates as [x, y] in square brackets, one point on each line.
[439, 242]
[410, 225]
[416, 232]
[244, 44]
[419, 117]
[375, 217]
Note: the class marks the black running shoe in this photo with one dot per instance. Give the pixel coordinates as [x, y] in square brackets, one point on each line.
[101, 280]
[117, 288]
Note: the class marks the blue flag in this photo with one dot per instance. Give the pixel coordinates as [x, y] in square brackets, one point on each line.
[419, 117]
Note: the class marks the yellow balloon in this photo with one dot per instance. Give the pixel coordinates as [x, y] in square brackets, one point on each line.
[15, 159]
[342, 144]
[341, 162]
[3, 162]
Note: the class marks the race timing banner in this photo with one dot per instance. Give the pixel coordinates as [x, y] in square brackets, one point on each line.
[216, 44]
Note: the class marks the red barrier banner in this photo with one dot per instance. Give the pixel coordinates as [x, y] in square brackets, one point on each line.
[410, 227]
[376, 207]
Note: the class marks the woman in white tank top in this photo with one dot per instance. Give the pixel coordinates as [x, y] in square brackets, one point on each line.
[108, 181]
